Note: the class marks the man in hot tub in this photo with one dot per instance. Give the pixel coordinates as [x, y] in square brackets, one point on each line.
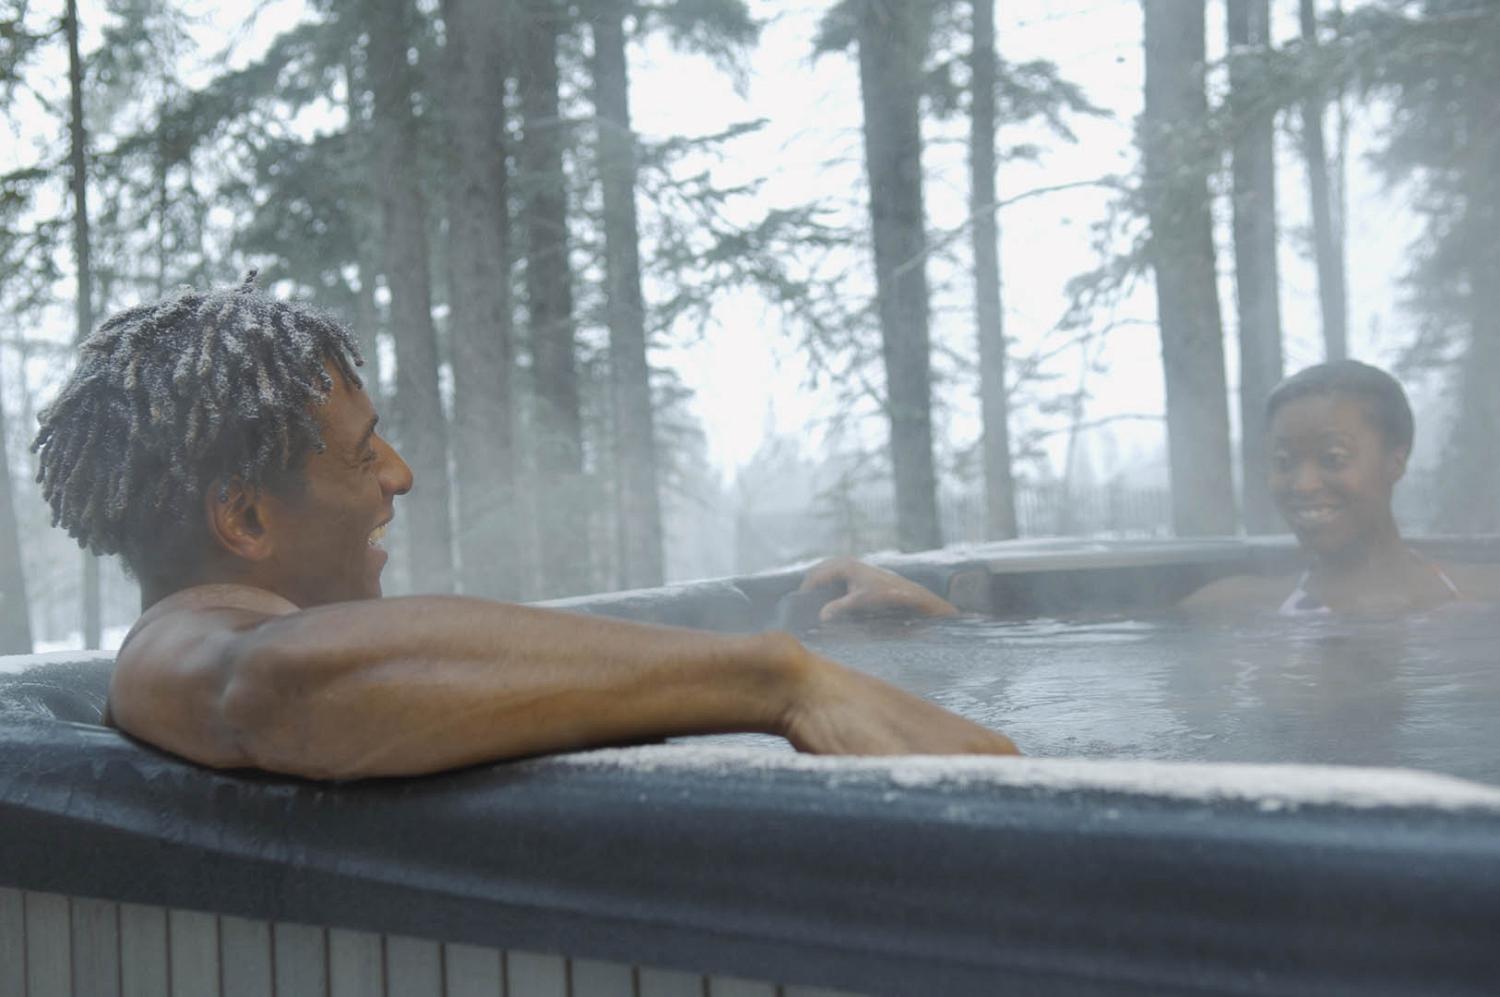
[222, 444]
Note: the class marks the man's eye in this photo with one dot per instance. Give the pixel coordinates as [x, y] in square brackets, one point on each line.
[1281, 463]
[368, 458]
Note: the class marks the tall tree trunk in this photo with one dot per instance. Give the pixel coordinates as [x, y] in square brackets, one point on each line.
[1177, 158]
[1332, 296]
[15, 620]
[994, 400]
[423, 433]
[1470, 496]
[163, 205]
[366, 312]
[562, 511]
[1254, 254]
[200, 272]
[630, 383]
[1471, 476]
[480, 320]
[93, 623]
[892, 38]
[367, 317]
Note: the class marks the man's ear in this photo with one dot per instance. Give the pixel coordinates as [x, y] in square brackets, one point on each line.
[236, 519]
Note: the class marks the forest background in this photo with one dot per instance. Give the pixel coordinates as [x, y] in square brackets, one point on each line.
[660, 290]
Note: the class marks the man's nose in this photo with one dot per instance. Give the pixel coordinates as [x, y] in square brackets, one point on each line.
[395, 476]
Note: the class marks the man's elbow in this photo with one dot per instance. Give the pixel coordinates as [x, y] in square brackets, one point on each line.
[262, 713]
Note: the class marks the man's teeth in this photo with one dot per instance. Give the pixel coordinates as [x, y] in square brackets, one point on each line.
[1314, 516]
[376, 535]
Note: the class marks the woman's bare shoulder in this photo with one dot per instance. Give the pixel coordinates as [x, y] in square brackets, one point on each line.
[1240, 592]
[1475, 582]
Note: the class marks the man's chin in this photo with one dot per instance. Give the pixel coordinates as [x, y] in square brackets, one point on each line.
[375, 567]
[369, 588]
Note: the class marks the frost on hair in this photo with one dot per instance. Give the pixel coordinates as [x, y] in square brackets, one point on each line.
[167, 397]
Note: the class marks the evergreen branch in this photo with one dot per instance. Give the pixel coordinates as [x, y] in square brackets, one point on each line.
[942, 242]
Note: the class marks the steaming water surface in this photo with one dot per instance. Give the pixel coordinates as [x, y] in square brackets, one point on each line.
[1418, 692]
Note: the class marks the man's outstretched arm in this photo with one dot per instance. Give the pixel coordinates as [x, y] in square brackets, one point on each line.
[236, 677]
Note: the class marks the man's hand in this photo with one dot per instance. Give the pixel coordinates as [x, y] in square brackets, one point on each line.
[844, 712]
[872, 591]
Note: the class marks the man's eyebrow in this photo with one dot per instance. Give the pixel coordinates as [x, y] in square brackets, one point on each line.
[365, 437]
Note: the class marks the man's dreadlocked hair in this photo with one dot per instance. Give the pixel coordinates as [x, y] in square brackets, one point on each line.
[168, 398]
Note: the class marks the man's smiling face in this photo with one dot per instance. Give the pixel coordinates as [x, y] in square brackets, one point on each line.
[326, 539]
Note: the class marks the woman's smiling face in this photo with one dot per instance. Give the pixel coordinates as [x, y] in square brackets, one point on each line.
[1332, 471]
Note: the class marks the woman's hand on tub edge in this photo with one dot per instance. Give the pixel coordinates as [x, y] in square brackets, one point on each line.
[837, 710]
[872, 591]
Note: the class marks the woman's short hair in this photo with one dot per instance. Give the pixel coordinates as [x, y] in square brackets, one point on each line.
[1388, 408]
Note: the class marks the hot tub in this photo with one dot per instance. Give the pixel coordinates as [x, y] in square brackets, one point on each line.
[732, 867]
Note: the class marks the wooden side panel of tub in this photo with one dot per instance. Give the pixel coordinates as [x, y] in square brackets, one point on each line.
[143, 950]
[59, 946]
[12, 941]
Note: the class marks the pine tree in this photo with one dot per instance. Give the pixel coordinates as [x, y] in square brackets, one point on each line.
[84, 300]
[560, 506]
[420, 424]
[999, 487]
[1435, 65]
[480, 322]
[362, 227]
[1177, 160]
[15, 620]
[892, 40]
[640, 531]
[1332, 296]
[1254, 165]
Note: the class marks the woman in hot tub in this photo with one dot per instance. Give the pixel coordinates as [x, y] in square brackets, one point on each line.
[1340, 435]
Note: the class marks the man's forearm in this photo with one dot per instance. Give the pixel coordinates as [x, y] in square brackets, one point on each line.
[421, 684]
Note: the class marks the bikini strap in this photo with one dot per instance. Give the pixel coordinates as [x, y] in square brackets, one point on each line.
[1294, 604]
[1443, 577]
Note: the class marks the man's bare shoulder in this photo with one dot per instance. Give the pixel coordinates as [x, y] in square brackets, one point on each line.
[175, 650]
[1240, 592]
[202, 608]
[221, 596]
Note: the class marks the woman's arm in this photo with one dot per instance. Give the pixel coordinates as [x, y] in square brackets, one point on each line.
[872, 591]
